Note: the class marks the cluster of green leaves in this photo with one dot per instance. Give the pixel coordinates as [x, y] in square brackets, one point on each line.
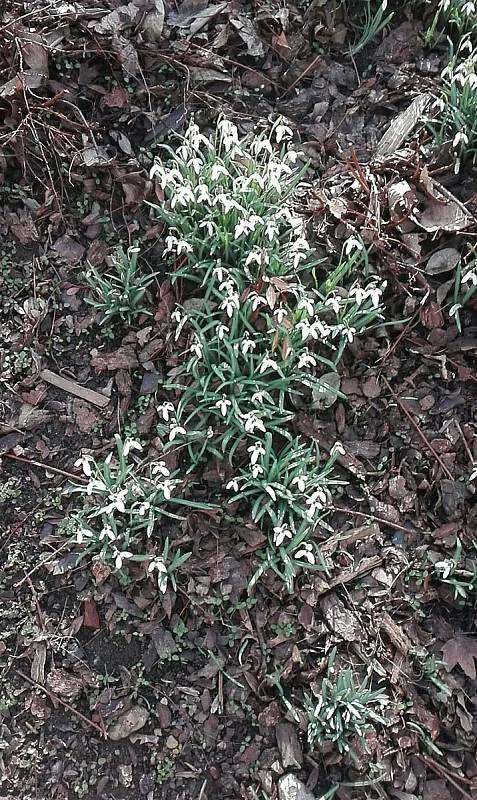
[119, 292]
[257, 339]
[343, 710]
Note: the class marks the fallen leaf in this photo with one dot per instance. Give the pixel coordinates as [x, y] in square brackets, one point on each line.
[90, 615]
[69, 249]
[129, 722]
[461, 651]
[442, 261]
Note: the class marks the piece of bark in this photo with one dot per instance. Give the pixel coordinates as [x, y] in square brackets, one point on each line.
[401, 127]
[74, 388]
[395, 634]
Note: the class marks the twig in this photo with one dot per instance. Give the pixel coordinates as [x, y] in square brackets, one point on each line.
[301, 76]
[74, 388]
[54, 697]
[416, 427]
[371, 517]
[434, 765]
[46, 467]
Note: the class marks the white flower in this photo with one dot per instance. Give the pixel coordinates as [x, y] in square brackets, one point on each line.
[222, 330]
[337, 449]
[473, 474]
[268, 363]
[280, 313]
[283, 131]
[271, 491]
[256, 451]
[165, 410]
[202, 193]
[359, 293]
[230, 303]
[258, 256]
[252, 422]
[306, 552]
[317, 329]
[470, 277]
[158, 563]
[458, 138]
[183, 196]
[258, 145]
[218, 170]
[95, 485]
[196, 164]
[348, 332]
[300, 481]
[234, 484]
[455, 308]
[143, 508]
[334, 304]
[131, 444]
[121, 555]
[208, 225]
[107, 532]
[160, 469]
[228, 203]
[306, 304]
[116, 502]
[352, 244]
[468, 9]
[223, 405]
[219, 272]
[316, 502]
[306, 359]
[175, 429]
[280, 533]
[259, 397]
[247, 344]
[83, 534]
[196, 348]
[86, 462]
[271, 230]
[257, 300]
[256, 470]
[166, 488]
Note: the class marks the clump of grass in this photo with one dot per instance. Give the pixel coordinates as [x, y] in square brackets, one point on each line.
[373, 20]
[119, 292]
[459, 17]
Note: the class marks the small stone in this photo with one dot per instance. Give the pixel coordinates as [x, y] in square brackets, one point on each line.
[131, 721]
[125, 775]
[291, 788]
[172, 743]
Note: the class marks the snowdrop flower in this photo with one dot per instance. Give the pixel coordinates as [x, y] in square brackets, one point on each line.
[337, 449]
[252, 422]
[259, 397]
[256, 470]
[352, 244]
[208, 225]
[159, 468]
[180, 320]
[196, 164]
[316, 502]
[107, 533]
[300, 482]
[280, 533]
[223, 405]
[260, 145]
[166, 410]
[227, 203]
[458, 138]
[116, 502]
[175, 429]
[95, 485]
[305, 552]
[455, 308]
[196, 348]
[218, 170]
[360, 295]
[268, 363]
[166, 488]
[234, 484]
[258, 256]
[143, 508]
[83, 534]
[334, 304]
[256, 451]
[282, 132]
[130, 444]
[306, 359]
[470, 277]
[247, 344]
[271, 230]
[230, 303]
[280, 313]
[468, 9]
[257, 300]
[202, 193]
[348, 332]
[271, 491]
[305, 304]
[158, 564]
[86, 463]
[222, 330]
[228, 134]
[120, 556]
[183, 196]
[221, 274]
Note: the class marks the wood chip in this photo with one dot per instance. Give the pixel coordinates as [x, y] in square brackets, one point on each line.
[401, 127]
[74, 388]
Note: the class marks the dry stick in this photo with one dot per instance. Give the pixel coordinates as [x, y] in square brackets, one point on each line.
[46, 467]
[54, 697]
[301, 76]
[371, 517]
[434, 765]
[418, 430]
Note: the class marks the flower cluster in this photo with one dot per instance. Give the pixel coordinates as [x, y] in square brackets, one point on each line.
[122, 509]
[257, 338]
[454, 121]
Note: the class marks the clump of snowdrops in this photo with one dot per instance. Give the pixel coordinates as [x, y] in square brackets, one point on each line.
[344, 709]
[120, 291]
[264, 326]
[459, 17]
[454, 121]
[123, 505]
